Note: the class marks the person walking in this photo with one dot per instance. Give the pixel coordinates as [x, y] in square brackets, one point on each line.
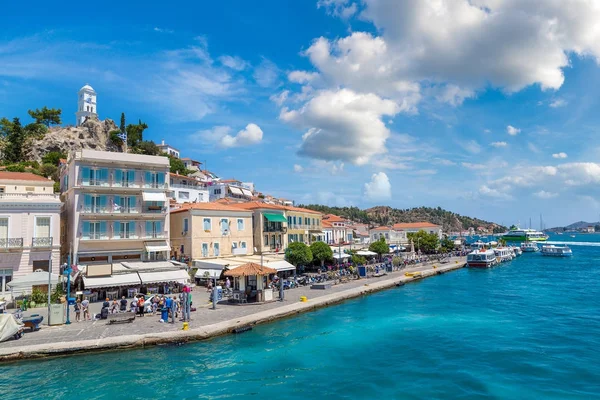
[77, 308]
[85, 304]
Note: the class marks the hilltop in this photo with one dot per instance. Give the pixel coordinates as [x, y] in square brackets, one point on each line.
[384, 215]
[575, 226]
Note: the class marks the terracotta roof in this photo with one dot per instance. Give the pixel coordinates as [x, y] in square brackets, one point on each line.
[214, 206]
[253, 205]
[326, 224]
[22, 176]
[250, 269]
[382, 228]
[409, 225]
[333, 218]
[299, 209]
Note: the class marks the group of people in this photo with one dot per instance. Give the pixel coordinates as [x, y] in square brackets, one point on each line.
[82, 307]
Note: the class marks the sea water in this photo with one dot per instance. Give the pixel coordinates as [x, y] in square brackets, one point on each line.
[527, 329]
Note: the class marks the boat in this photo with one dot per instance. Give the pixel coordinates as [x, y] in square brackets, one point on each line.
[493, 243]
[504, 254]
[556, 251]
[481, 259]
[517, 250]
[524, 235]
[529, 247]
[478, 245]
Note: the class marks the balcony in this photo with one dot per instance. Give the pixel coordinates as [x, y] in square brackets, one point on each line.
[154, 210]
[123, 236]
[11, 244]
[274, 227]
[41, 242]
[33, 196]
[96, 183]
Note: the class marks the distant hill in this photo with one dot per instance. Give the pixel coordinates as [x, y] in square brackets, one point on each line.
[383, 215]
[574, 226]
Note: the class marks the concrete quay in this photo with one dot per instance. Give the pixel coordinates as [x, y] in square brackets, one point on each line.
[95, 336]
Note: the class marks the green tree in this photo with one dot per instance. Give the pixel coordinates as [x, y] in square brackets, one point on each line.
[447, 245]
[135, 133]
[321, 252]
[115, 138]
[122, 126]
[177, 166]
[358, 260]
[426, 242]
[49, 170]
[46, 116]
[298, 253]
[147, 147]
[15, 138]
[35, 130]
[53, 157]
[380, 247]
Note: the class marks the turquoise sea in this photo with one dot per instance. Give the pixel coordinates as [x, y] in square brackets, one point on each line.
[528, 329]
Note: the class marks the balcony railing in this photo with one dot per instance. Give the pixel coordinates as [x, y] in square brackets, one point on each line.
[35, 196]
[154, 210]
[274, 228]
[119, 236]
[41, 242]
[11, 243]
[121, 184]
[110, 210]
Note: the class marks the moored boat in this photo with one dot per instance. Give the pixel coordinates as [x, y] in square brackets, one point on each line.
[481, 258]
[529, 247]
[504, 254]
[556, 251]
[525, 235]
[478, 245]
[517, 250]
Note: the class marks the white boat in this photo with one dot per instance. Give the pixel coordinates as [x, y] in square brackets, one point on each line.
[524, 235]
[478, 245]
[517, 250]
[493, 243]
[482, 259]
[529, 247]
[504, 254]
[556, 251]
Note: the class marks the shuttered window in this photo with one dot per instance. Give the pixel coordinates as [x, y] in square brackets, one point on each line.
[42, 227]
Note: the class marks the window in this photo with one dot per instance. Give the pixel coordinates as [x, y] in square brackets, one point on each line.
[42, 227]
[294, 220]
[240, 224]
[234, 245]
[224, 226]
[289, 220]
[3, 230]
[207, 226]
[124, 230]
[185, 225]
[1, 189]
[266, 240]
[29, 189]
[301, 238]
[124, 178]
[154, 179]
[243, 245]
[217, 191]
[204, 249]
[216, 249]
[5, 277]
[154, 229]
[184, 195]
[93, 230]
[94, 176]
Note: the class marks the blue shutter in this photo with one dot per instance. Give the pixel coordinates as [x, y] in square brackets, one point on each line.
[148, 228]
[85, 176]
[116, 202]
[118, 176]
[147, 177]
[160, 178]
[103, 232]
[87, 201]
[131, 176]
[158, 225]
[85, 229]
[117, 230]
[132, 229]
[102, 202]
[185, 224]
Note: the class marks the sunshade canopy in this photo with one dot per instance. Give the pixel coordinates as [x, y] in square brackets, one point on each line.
[33, 279]
[130, 279]
[366, 253]
[275, 217]
[157, 246]
[154, 196]
[250, 269]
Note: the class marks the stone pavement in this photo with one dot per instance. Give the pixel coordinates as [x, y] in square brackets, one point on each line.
[206, 322]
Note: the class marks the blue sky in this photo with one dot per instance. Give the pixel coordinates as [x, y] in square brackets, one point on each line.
[487, 108]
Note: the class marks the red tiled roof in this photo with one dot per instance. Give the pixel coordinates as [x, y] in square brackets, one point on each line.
[409, 225]
[382, 228]
[326, 224]
[299, 209]
[22, 176]
[254, 205]
[333, 218]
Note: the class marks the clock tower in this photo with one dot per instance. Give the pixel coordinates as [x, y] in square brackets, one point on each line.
[86, 104]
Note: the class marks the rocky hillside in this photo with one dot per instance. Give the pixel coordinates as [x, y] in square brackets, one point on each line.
[92, 134]
[383, 215]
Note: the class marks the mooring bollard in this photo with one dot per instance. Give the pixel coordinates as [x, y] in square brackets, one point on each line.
[186, 326]
[303, 299]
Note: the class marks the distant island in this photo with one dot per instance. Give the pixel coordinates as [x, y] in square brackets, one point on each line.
[580, 226]
[384, 215]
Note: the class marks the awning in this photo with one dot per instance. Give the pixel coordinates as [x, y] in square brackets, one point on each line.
[235, 190]
[366, 253]
[316, 232]
[247, 192]
[157, 246]
[280, 265]
[337, 256]
[154, 196]
[179, 276]
[112, 281]
[33, 279]
[208, 273]
[275, 217]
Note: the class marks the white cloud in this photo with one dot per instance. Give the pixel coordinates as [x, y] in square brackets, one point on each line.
[162, 30]
[266, 74]
[473, 166]
[533, 148]
[454, 95]
[498, 144]
[302, 76]
[443, 161]
[512, 131]
[495, 193]
[379, 188]
[472, 147]
[250, 135]
[280, 98]
[298, 168]
[235, 63]
[487, 131]
[342, 125]
[560, 155]
[392, 162]
[338, 8]
[542, 194]
[558, 103]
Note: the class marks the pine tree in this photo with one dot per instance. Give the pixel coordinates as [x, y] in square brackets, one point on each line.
[122, 126]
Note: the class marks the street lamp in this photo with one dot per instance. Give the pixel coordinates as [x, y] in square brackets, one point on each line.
[67, 271]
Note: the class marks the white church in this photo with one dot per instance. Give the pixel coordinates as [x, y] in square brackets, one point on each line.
[86, 104]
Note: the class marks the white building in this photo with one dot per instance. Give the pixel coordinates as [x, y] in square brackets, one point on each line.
[115, 207]
[231, 189]
[397, 233]
[86, 104]
[29, 226]
[336, 230]
[186, 189]
[170, 150]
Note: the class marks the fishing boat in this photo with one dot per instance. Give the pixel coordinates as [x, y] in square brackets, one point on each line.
[504, 254]
[481, 259]
[529, 247]
[525, 235]
[556, 251]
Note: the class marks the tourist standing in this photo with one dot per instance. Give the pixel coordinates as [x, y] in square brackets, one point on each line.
[78, 310]
[114, 308]
[85, 304]
[141, 302]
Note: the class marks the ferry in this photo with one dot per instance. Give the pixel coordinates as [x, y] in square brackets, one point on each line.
[482, 259]
[556, 251]
[504, 254]
[529, 247]
[525, 235]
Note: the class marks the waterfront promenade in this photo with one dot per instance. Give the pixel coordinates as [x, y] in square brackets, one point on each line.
[89, 336]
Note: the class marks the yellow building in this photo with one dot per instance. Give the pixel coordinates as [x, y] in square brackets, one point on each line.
[202, 230]
[303, 225]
